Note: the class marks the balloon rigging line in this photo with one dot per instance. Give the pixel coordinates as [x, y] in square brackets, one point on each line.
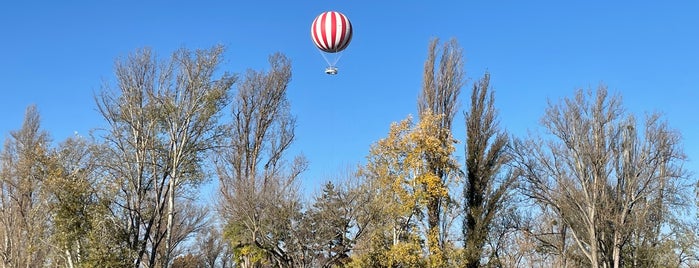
[335, 60]
[324, 57]
[339, 55]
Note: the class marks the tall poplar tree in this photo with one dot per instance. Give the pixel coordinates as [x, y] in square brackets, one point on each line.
[443, 78]
[487, 183]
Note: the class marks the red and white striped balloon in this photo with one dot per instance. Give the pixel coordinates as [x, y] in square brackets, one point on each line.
[331, 31]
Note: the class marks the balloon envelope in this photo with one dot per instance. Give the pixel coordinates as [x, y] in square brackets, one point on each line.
[331, 31]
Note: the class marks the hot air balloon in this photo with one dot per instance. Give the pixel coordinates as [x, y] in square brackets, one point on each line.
[331, 32]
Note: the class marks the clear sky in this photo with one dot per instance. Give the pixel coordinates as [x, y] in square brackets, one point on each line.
[56, 54]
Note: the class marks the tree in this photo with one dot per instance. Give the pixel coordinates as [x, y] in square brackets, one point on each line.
[338, 218]
[162, 120]
[604, 182]
[440, 96]
[259, 200]
[213, 248]
[189, 114]
[75, 202]
[24, 223]
[441, 88]
[330, 221]
[413, 170]
[398, 170]
[187, 261]
[486, 190]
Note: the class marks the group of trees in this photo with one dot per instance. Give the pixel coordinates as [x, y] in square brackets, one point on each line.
[596, 188]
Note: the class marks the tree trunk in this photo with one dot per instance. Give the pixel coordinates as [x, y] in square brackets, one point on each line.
[616, 252]
[170, 218]
[69, 257]
[594, 252]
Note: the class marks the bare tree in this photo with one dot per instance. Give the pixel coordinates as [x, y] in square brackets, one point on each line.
[190, 108]
[213, 249]
[259, 194]
[190, 219]
[441, 88]
[439, 96]
[487, 189]
[23, 205]
[599, 176]
[162, 119]
[187, 261]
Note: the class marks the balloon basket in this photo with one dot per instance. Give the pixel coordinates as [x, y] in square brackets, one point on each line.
[331, 70]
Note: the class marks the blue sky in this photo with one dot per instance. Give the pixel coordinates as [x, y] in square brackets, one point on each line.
[56, 54]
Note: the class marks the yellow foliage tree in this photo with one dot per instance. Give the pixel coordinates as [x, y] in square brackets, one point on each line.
[399, 169]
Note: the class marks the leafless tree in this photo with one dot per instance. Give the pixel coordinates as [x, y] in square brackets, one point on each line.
[24, 221]
[600, 177]
[212, 247]
[190, 219]
[162, 119]
[259, 195]
[190, 107]
[441, 88]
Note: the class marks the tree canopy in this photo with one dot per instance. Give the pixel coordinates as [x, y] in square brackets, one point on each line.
[593, 186]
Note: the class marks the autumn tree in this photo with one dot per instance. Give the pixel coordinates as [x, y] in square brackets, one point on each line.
[162, 119]
[259, 199]
[443, 78]
[398, 169]
[488, 185]
[414, 171]
[603, 180]
[24, 221]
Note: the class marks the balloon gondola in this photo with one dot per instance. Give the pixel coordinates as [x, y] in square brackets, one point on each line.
[331, 33]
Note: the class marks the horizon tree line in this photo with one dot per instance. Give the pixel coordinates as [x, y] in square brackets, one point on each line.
[593, 186]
